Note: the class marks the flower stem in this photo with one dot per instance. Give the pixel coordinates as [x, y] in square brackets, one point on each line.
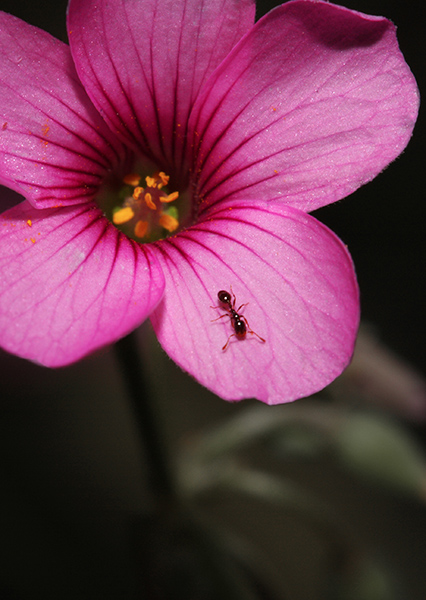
[159, 478]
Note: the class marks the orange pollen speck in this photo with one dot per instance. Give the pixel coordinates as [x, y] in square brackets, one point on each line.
[29, 222]
[123, 215]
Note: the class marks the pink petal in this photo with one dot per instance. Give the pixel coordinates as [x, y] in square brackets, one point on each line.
[144, 61]
[70, 283]
[311, 104]
[300, 286]
[54, 146]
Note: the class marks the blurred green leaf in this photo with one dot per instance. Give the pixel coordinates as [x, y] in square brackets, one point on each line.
[366, 580]
[380, 450]
[264, 423]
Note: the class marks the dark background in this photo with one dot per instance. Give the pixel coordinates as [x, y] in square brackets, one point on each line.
[69, 457]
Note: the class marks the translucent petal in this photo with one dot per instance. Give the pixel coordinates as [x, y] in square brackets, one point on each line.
[70, 283]
[144, 61]
[54, 147]
[298, 283]
[314, 102]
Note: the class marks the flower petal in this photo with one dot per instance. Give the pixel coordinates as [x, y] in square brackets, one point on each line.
[144, 61]
[311, 104]
[302, 295]
[54, 146]
[70, 283]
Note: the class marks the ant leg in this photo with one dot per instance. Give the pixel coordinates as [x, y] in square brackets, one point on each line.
[221, 317]
[234, 301]
[257, 335]
[226, 345]
[250, 330]
[240, 307]
[225, 314]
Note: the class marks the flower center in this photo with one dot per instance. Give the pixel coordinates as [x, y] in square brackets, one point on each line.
[145, 212]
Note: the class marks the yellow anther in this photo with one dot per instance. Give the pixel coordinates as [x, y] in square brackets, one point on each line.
[137, 192]
[132, 179]
[149, 202]
[170, 197]
[141, 229]
[164, 179]
[29, 223]
[123, 215]
[151, 181]
[168, 222]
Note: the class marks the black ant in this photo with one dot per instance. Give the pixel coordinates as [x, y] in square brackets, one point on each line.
[239, 322]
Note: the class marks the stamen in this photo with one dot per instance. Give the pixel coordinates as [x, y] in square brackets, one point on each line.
[141, 229]
[141, 214]
[149, 202]
[132, 179]
[123, 215]
[170, 197]
[168, 222]
[150, 181]
[164, 179]
[137, 192]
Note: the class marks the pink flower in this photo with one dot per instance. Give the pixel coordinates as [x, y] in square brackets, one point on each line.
[183, 117]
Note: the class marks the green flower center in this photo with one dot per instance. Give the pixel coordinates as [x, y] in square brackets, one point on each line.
[143, 208]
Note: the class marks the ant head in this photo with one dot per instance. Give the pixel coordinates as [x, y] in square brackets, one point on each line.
[224, 296]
